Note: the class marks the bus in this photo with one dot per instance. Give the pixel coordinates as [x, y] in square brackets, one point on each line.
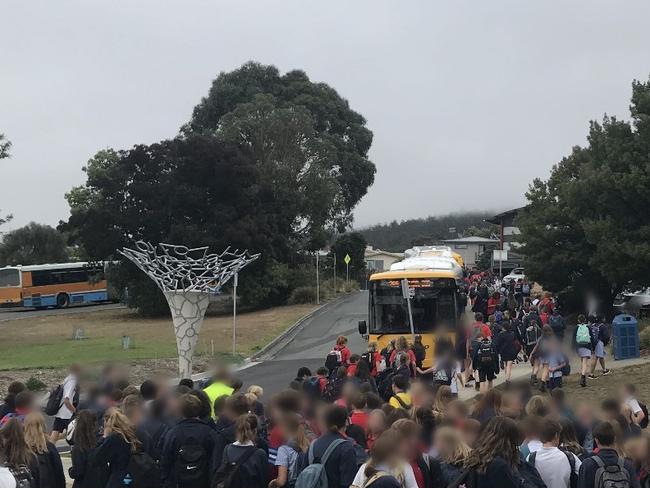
[53, 285]
[435, 282]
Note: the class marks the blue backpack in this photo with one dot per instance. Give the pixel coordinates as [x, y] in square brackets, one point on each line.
[314, 475]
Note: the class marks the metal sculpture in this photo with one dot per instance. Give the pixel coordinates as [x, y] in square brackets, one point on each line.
[187, 277]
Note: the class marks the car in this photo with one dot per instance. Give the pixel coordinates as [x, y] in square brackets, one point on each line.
[633, 302]
[514, 275]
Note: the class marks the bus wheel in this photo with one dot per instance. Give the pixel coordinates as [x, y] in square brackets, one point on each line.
[62, 300]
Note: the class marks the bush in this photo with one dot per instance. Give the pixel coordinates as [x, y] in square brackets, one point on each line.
[302, 294]
[34, 384]
[644, 338]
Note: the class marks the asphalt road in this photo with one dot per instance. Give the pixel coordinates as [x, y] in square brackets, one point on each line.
[19, 313]
[311, 344]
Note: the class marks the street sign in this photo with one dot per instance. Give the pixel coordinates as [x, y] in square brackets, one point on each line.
[452, 230]
[347, 259]
[500, 255]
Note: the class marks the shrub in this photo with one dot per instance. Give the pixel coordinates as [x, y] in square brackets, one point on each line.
[302, 294]
[34, 384]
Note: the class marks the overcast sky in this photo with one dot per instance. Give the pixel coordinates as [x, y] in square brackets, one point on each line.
[468, 101]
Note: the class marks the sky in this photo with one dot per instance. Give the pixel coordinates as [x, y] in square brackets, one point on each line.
[469, 101]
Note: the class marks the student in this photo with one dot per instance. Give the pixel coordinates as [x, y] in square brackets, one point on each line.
[340, 466]
[444, 370]
[23, 405]
[291, 454]
[401, 397]
[605, 438]
[384, 468]
[376, 425]
[119, 444]
[68, 407]
[84, 472]
[582, 342]
[17, 456]
[488, 406]
[49, 462]
[601, 335]
[408, 447]
[9, 405]
[419, 351]
[322, 374]
[402, 346]
[507, 347]
[486, 362]
[557, 323]
[189, 450]
[628, 397]
[363, 377]
[557, 468]
[531, 427]
[452, 452]
[339, 355]
[532, 335]
[245, 463]
[495, 458]
[359, 415]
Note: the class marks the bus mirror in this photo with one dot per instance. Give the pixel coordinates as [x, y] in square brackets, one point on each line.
[363, 328]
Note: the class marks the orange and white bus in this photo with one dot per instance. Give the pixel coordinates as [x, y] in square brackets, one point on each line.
[52, 285]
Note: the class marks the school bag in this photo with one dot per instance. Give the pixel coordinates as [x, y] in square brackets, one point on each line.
[443, 375]
[525, 288]
[314, 475]
[333, 360]
[23, 476]
[573, 477]
[236, 474]
[613, 476]
[142, 472]
[333, 389]
[302, 461]
[644, 409]
[583, 336]
[557, 324]
[54, 401]
[566, 369]
[532, 335]
[192, 466]
[366, 357]
[485, 354]
[311, 387]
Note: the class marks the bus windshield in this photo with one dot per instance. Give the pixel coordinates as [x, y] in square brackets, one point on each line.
[9, 277]
[432, 303]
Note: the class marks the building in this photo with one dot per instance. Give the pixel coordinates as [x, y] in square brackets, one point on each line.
[378, 260]
[471, 248]
[508, 237]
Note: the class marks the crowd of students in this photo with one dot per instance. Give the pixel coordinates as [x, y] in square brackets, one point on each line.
[379, 419]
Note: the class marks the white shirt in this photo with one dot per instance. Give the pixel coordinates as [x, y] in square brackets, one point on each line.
[633, 404]
[69, 388]
[534, 445]
[7, 479]
[554, 467]
[406, 475]
[454, 378]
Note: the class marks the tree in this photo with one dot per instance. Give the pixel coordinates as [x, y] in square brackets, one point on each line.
[587, 229]
[5, 145]
[33, 244]
[311, 148]
[354, 244]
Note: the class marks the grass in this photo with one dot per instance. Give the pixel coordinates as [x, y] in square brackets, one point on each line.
[46, 341]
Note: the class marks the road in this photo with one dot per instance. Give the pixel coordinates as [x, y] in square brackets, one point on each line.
[311, 344]
[15, 313]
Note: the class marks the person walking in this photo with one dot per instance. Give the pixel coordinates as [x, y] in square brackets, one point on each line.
[70, 399]
[601, 337]
[49, 461]
[582, 342]
[84, 472]
[115, 451]
[16, 455]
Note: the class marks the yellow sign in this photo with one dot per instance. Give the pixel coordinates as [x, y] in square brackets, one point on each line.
[347, 259]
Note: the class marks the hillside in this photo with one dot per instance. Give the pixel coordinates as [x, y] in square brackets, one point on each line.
[398, 236]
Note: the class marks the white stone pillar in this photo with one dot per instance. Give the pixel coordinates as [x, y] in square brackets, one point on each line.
[188, 309]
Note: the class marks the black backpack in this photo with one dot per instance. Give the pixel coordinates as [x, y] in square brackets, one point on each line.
[23, 476]
[333, 389]
[333, 360]
[311, 387]
[236, 474]
[367, 358]
[485, 354]
[54, 401]
[532, 335]
[142, 472]
[192, 466]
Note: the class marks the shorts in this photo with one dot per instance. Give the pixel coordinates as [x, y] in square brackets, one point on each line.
[60, 425]
[529, 349]
[544, 359]
[486, 375]
[584, 352]
[599, 351]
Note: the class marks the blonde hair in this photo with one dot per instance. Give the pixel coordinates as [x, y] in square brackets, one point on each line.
[256, 390]
[245, 428]
[458, 449]
[118, 423]
[295, 426]
[537, 406]
[34, 427]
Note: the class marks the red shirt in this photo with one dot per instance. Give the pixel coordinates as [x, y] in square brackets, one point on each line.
[376, 358]
[543, 317]
[482, 328]
[360, 418]
[410, 353]
[492, 305]
[352, 369]
[322, 383]
[345, 354]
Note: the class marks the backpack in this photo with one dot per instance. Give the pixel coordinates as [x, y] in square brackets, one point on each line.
[566, 369]
[302, 461]
[532, 335]
[142, 472]
[644, 409]
[485, 354]
[191, 466]
[311, 386]
[314, 475]
[333, 360]
[583, 336]
[236, 474]
[54, 401]
[525, 288]
[333, 389]
[557, 324]
[69, 431]
[613, 476]
[366, 357]
[443, 375]
[23, 476]
[573, 477]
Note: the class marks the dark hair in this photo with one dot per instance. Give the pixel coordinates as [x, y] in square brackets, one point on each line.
[323, 371]
[190, 406]
[478, 316]
[206, 407]
[500, 437]
[401, 382]
[549, 429]
[357, 433]
[354, 358]
[303, 371]
[15, 387]
[219, 404]
[373, 401]
[116, 395]
[359, 401]
[610, 405]
[363, 371]
[335, 417]
[569, 438]
[237, 404]
[156, 409]
[85, 431]
[148, 390]
[236, 384]
[24, 399]
[186, 382]
[394, 415]
[341, 372]
[604, 434]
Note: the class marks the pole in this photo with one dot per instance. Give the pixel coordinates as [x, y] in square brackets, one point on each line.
[334, 273]
[347, 273]
[317, 282]
[234, 315]
[407, 294]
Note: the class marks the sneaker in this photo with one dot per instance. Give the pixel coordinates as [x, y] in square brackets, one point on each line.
[592, 377]
[606, 372]
[583, 381]
[477, 386]
[542, 387]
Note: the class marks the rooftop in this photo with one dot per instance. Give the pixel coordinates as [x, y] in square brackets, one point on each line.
[471, 240]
